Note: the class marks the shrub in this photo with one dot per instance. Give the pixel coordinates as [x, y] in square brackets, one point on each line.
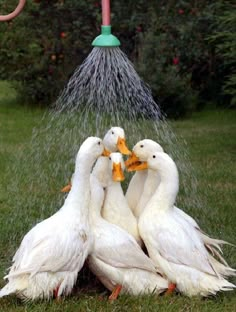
[175, 57]
[42, 47]
[223, 39]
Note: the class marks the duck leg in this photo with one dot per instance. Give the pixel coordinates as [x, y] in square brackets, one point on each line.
[171, 288]
[55, 293]
[115, 292]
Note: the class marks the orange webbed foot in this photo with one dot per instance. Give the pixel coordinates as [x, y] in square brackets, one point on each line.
[171, 289]
[115, 293]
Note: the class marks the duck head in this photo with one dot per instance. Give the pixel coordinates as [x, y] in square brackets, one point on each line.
[91, 148]
[140, 154]
[167, 169]
[117, 167]
[115, 140]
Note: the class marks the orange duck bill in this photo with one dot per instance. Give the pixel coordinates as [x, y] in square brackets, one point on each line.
[133, 163]
[106, 153]
[122, 147]
[117, 172]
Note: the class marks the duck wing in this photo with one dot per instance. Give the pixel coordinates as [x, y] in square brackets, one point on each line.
[179, 242]
[118, 248]
[49, 246]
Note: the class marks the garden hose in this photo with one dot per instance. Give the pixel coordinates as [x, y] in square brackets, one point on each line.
[16, 12]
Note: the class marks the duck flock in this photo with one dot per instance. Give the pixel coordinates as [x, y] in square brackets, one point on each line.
[135, 243]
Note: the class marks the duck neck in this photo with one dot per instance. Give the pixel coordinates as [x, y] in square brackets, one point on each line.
[94, 212]
[114, 187]
[115, 198]
[100, 170]
[151, 183]
[79, 196]
[141, 174]
[165, 195]
[96, 201]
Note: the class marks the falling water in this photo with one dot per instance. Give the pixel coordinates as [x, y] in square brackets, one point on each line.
[104, 91]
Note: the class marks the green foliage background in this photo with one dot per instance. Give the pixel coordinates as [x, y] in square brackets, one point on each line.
[185, 50]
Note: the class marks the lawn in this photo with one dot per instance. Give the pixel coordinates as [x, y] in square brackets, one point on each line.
[210, 138]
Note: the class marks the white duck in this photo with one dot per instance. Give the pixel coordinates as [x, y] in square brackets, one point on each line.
[116, 258]
[174, 243]
[142, 186]
[113, 140]
[141, 152]
[52, 253]
[115, 208]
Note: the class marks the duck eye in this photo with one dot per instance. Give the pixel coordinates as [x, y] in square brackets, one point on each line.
[110, 158]
[154, 156]
[99, 143]
[141, 145]
[112, 132]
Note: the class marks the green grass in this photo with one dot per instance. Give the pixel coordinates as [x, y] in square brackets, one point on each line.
[211, 142]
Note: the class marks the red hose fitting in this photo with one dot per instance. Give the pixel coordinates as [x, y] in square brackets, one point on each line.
[106, 19]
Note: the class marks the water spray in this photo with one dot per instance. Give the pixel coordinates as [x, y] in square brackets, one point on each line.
[15, 13]
[107, 80]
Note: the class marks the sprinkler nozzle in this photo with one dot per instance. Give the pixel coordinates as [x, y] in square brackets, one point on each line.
[106, 39]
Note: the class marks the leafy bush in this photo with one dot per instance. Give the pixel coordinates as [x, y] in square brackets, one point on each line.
[223, 38]
[175, 57]
[41, 48]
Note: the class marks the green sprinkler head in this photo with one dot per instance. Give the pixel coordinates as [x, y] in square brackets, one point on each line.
[106, 39]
